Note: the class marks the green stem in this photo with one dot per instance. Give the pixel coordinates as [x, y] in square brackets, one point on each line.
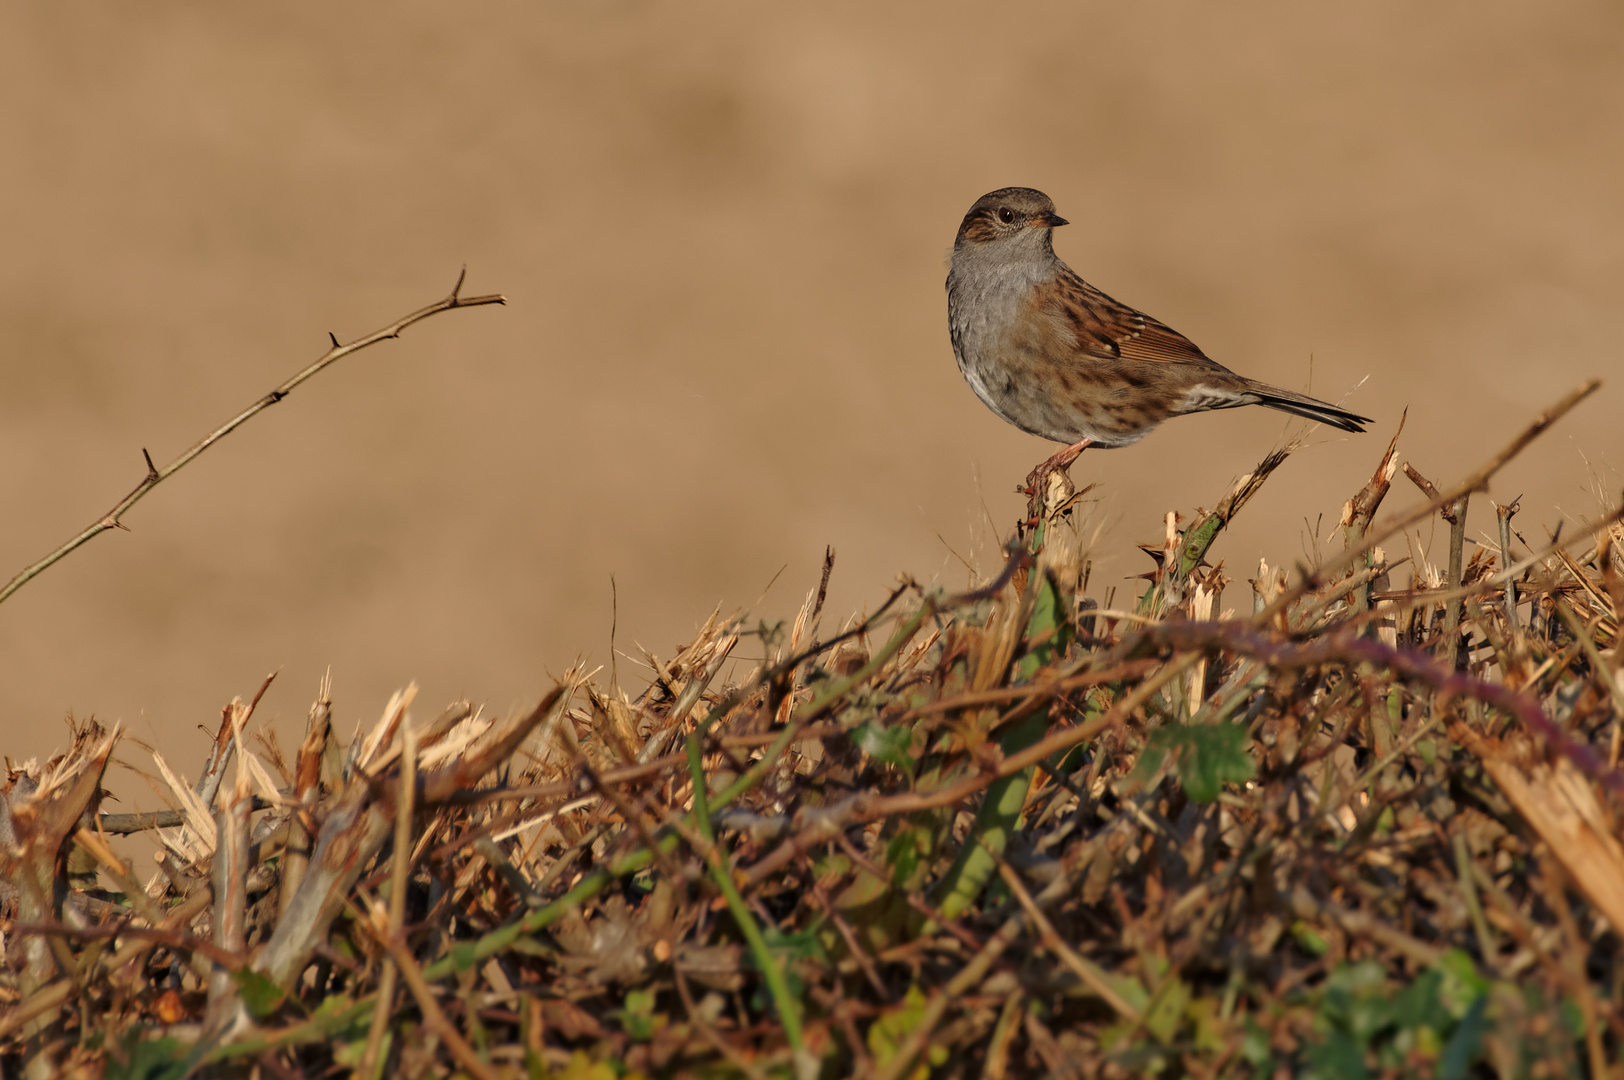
[1193, 547]
[1000, 810]
[789, 1010]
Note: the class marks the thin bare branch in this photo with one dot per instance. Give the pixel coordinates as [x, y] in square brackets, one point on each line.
[113, 519]
[1475, 482]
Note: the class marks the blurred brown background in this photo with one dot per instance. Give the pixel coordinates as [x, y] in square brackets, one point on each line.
[722, 230]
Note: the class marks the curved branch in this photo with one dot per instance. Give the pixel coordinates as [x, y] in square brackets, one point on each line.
[155, 476]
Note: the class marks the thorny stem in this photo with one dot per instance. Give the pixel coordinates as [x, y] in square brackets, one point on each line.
[113, 519]
[1357, 514]
[1457, 546]
[1197, 540]
[1505, 514]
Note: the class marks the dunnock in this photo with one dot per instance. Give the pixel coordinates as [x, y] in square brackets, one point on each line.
[1056, 357]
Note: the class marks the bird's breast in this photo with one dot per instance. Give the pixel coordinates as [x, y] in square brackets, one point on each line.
[984, 306]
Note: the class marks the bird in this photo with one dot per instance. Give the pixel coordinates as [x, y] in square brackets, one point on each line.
[1056, 357]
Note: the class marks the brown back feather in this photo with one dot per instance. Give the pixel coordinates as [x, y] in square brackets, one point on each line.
[1111, 330]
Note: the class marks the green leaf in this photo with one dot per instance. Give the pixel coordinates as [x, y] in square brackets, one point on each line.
[1211, 1033]
[1309, 939]
[582, 1067]
[638, 1016]
[904, 853]
[1467, 1041]
[157, 1059]
[887, 1034]
[1419, 1005]
[1149, 764]
[1255, 1047]
[1440, 1016]
[833, 865]
[1462, 987]
[1337, 1058]
[259, 995]
[1166, 1014]
[1355, 1000]
[892, 745]
[800, 945]
[1208, 756]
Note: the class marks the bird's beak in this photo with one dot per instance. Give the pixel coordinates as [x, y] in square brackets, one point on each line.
[1049, 220]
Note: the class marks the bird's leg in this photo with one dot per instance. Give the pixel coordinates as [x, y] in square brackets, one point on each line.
[1060, 461]
[1041, 481]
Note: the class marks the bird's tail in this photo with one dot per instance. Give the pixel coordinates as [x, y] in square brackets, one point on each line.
[1305, 406]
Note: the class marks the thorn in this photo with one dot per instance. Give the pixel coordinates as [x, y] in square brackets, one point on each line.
[152, 470]
[334, 339]
[457, 288]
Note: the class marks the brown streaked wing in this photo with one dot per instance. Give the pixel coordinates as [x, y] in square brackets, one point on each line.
[1110, 329]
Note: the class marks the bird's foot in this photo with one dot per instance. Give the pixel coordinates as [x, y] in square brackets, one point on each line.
[1048, 487]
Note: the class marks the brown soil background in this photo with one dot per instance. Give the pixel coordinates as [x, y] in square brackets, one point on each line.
[722, 231]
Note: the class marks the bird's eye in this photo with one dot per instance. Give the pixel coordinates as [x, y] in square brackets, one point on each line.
[1006, 215]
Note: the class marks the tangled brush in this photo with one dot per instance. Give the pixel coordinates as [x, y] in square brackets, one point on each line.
[1353, 830]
